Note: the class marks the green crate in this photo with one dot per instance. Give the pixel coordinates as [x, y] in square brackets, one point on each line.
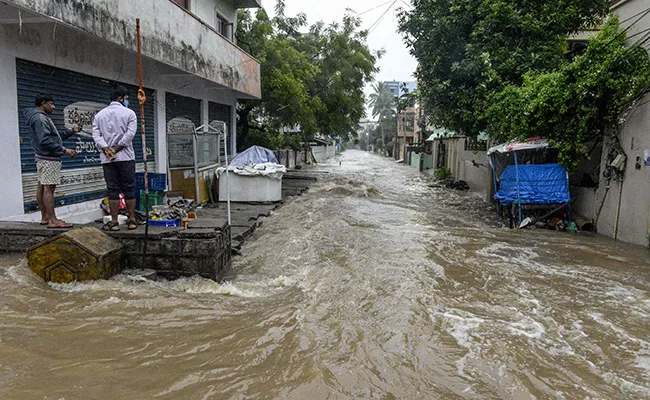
[156, 198]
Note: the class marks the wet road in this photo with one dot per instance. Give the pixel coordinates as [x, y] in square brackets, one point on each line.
[373, 285]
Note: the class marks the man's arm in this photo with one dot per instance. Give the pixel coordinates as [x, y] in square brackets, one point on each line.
[70, 132]
[132, 127]
[67, 133]
[43, 137]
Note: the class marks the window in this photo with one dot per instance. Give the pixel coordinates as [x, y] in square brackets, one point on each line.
[224, 27]
[183, 3]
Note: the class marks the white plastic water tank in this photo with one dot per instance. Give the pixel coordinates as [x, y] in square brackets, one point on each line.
[250, 188]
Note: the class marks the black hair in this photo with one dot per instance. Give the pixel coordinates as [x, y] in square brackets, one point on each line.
[43, 98]
[118, 91]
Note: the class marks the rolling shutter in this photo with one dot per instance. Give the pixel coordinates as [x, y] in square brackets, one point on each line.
[222, 112]
[177, 106]
[82, 176]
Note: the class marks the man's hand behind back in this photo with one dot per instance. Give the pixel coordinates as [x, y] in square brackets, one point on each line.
[109, 153]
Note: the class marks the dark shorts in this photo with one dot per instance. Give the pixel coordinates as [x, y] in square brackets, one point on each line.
[120, 178]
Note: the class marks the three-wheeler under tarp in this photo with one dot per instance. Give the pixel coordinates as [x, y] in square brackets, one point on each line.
[533, 184]
[527, 172]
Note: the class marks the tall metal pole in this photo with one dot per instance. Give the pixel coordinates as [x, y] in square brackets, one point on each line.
[142, 98]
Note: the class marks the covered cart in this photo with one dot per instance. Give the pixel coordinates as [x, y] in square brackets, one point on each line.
[528, 181]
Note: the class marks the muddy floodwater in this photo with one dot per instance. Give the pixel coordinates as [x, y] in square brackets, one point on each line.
[373, 285]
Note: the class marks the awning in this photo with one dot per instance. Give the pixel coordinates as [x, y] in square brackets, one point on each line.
[528, 144]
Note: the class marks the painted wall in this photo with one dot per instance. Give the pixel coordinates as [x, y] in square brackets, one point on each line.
[622, 209]
[64, 47]
[169, 35]
[322, 153]
[11, 196]
[466, 165]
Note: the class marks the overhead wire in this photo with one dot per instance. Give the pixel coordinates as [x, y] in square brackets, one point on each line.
[374, 8]
[378, 21]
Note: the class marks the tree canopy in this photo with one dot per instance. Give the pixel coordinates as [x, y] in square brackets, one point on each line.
[578, 101]
[312, 78]
[467, 49]
[502, 67]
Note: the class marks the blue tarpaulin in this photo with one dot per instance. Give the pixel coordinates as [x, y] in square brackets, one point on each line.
[254, 155]
[533, 184]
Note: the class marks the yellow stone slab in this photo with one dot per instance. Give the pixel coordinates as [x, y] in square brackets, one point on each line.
[81, 254]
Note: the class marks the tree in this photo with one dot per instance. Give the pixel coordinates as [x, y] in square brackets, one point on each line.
[346, 65]
[580, 100]
[382, 100]
[312, 82]
[382, 103]
[284, 73]
[468, 49]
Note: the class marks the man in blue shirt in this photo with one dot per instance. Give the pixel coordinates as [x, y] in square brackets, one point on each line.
[48, 147]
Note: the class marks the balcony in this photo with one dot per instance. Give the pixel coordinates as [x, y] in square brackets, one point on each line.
[248, 3]
[170, 36]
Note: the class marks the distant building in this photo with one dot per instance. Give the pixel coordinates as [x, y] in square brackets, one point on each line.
[396, 88]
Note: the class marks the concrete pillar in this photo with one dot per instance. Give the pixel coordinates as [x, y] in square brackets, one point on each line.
[205, 111]
[233, 128]
[11, 196]
[160, 130]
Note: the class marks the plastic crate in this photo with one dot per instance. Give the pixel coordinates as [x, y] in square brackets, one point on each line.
[165, 222]
[157, 180]
[156, 198]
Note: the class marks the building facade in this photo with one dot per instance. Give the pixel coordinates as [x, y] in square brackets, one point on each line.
[619, 205]
[399, 88]
[77, 50]
[409, 130]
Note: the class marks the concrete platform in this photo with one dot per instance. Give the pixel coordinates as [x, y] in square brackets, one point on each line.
[204, 248]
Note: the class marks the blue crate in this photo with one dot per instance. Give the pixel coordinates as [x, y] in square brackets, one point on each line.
[165, 222]
[157, 180]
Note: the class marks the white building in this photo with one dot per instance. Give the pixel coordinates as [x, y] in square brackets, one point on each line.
[396, 88]
[78, 49]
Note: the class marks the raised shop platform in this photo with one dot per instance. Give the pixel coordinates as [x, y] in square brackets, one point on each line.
[205, 248]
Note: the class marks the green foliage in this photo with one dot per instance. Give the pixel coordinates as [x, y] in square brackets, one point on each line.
[311, 81]
[469, 49]
[382, 101]
[258, 137]
[442, 174]
[578, 101]
[383, 105]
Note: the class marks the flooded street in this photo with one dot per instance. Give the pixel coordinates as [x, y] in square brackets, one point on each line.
[371, 285]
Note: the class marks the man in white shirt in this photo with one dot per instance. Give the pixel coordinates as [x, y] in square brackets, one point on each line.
[114, 128]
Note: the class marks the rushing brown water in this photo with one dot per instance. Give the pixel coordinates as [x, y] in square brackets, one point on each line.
[372, 285]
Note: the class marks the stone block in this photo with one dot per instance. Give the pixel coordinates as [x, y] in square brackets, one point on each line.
[208, 223]
[77, 255]
[199, 233]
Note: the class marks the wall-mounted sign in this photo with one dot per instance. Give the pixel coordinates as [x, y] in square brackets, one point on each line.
[82, 113]
[180, 125]
[218, 126]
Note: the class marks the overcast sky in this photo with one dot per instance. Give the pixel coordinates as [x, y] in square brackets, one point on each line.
[397, 64]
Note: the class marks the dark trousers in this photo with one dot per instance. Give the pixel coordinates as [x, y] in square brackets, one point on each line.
[120, 178]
